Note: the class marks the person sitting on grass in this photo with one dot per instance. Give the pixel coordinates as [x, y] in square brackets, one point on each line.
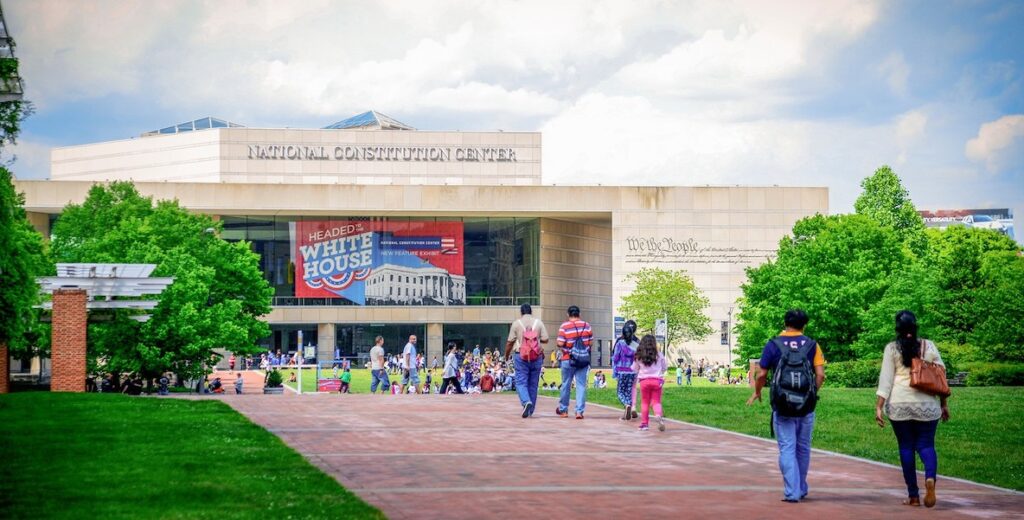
[346, 379]
[292, 378]
[487, 383]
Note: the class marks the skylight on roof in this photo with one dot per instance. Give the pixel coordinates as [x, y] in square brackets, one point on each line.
[371, 120]
[192, 126]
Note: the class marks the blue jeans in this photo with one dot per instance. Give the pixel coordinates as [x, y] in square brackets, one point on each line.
[580, 375]
[794, 436]
[527, 379]
[916, 437]
[379, 376]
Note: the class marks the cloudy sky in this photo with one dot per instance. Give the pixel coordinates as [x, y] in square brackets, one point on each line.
[672, 93]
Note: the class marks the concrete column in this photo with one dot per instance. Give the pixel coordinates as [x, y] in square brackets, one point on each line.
[5, 369]
[325, 342]
[68, 340]
[435, 342]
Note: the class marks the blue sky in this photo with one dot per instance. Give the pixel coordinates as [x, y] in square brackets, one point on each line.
[673, 93]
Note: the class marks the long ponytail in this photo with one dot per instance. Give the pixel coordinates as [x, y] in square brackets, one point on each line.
[906, 336]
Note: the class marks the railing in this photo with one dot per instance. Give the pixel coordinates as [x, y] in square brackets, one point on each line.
[471, 301]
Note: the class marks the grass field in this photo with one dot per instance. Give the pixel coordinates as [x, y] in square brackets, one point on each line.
[114, 456]
[983, 440]
[361, 378]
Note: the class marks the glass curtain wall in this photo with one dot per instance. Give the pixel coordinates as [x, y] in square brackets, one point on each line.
[501, 257]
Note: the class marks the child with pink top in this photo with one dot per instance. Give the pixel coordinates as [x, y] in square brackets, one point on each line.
[650, 367]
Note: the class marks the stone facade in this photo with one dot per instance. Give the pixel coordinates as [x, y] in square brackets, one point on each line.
[67, 349]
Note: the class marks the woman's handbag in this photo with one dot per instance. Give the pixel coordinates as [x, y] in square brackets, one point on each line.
[928, 377]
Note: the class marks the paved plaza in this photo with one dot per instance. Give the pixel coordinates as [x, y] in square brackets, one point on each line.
[473, 457]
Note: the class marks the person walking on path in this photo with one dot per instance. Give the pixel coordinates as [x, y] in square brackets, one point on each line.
[450, 375]
[526, 339]
[650, 368]
[624, 352]
[913, 414]
[378, 375]
[410, 374]
[238, 384]
[798, 371]
[574, 339]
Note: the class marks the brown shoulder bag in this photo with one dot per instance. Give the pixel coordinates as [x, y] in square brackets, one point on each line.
[928, 377]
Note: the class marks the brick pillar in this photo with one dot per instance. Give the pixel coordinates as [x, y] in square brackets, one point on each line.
[5, 369]
[67, 349]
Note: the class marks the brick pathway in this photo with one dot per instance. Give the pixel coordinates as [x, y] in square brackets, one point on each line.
[473, 457]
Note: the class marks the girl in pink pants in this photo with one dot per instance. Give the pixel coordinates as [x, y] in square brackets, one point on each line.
[650, 367]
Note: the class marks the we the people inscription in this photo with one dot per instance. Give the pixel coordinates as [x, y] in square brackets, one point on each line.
[667, 250]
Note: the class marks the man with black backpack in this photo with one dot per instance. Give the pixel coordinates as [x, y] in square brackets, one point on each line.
[574, 339]
[798, 371]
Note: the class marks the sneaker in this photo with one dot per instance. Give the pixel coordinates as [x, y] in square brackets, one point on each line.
[661, 423]
[790, 500]
[929, 494]
[629, 413]
[561, 413]
[643, 428]
[579, 416]
[527, 410]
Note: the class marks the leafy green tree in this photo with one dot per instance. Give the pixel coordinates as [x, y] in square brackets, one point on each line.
[956, 255]
[659, 293]
[835, 268]
[999, 318]
[913, 288]
[887, 202]
[215, 301]
[22, 258]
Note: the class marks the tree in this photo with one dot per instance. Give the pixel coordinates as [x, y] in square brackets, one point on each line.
[660, 293]
[999, 319]
[887, 202]
[22, 258]
[956, 256]
[835, 268]
[217, 297]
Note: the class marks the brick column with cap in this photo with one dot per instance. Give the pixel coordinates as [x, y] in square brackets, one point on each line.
[67, 348]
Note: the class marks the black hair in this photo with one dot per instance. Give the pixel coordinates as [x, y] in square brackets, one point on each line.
[796, 319]
[451, 345]
[906, 336]
[630, 326]
[573, 311]
[525, 309]
[647, 352]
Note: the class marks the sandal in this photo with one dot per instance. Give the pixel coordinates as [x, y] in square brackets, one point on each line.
[913, 502]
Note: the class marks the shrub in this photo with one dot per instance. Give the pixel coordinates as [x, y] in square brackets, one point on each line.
[995, 374]
[274, 379]
[956, 356]
[859, 373]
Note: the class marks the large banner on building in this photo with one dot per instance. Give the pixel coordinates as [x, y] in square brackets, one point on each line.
[999, 219]
[377, 262]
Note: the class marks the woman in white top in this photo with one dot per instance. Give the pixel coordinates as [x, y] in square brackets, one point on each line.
[914, 414]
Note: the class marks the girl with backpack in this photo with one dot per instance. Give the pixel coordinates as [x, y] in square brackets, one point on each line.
[914, 414]
[650, 368]
[622, 368]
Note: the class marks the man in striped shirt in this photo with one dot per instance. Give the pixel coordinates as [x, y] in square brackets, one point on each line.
[568, 333]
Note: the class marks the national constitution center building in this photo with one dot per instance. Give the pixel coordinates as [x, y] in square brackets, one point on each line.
[370, 227]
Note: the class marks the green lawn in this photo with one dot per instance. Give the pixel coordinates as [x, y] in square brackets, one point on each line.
[114, 456]
[983, 440]
[361, 378]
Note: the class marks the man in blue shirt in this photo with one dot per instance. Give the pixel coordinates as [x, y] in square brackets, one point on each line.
[792, 433]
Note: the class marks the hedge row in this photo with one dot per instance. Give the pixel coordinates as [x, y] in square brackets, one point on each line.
[994, 374]
[863, 373]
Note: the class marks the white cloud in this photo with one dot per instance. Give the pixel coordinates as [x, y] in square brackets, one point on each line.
[999, 144]
[910, 129]
[31, 158]
[896, 72]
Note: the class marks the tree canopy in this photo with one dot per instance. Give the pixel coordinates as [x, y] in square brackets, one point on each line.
[22, 258]
[660, 293]
[217, 297]
[852, 273]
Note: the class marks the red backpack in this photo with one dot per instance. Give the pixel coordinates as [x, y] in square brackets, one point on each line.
[530, 349]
